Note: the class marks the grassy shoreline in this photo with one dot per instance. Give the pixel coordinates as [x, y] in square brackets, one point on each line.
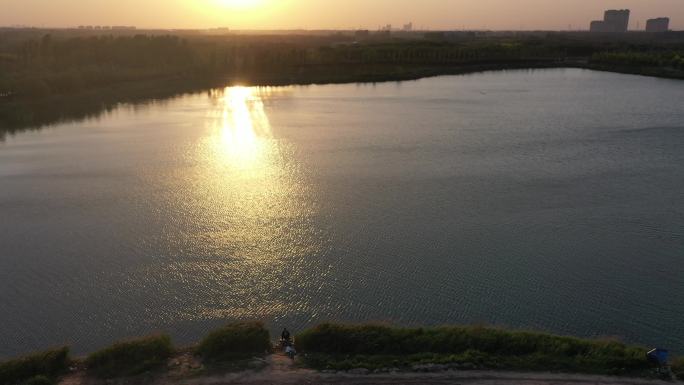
[341, 347]
[344, 347]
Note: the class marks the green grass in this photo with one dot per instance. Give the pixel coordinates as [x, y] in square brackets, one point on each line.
[49, 364]
[333, 346]
[234, 342]
[132, 357]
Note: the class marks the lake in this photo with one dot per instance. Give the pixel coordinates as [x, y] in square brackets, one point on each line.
[549, 200]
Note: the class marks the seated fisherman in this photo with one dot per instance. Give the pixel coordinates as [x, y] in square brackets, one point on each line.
[285, 335]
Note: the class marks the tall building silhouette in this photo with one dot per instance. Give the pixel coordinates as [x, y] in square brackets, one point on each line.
[617, 19]
[661, 24]
[613, 21]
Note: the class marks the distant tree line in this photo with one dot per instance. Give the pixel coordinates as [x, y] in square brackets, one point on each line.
[36, 66]
[51, 66]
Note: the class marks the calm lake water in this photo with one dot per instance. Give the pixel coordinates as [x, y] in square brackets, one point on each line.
[548, 199]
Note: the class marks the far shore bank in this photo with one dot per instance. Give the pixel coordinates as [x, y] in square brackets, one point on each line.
[23, 113]
[51, 75]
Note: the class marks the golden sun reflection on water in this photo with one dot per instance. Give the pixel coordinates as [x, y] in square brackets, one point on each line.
[245, 132]
[249, 213]
[248, 175]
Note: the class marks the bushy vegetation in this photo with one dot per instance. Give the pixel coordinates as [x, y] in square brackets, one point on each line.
[344, 346]
[670, 59]
[235, 341]
[678, 367]
[48, 365]
[130, 357]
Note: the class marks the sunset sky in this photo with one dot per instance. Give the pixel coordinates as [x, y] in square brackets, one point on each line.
[331, 14]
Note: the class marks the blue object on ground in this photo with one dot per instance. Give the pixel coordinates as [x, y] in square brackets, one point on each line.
[658, 355]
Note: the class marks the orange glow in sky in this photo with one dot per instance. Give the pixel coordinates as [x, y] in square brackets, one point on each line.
[332, 14]
[239, 3]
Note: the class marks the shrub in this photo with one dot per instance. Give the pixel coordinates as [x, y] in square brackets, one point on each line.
[678, 367]
[235, 341]
[49, 364]
[494, 347]
[130, 357]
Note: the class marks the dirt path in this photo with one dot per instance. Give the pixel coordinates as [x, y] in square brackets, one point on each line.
[281, 364]
[455, 378]
[280, 370]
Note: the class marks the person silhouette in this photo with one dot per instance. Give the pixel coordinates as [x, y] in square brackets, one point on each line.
[285, 335]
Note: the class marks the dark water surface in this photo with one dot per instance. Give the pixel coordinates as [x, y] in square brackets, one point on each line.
[549, 200]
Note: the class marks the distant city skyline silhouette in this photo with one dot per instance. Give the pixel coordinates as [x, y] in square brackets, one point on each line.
[335, 14]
